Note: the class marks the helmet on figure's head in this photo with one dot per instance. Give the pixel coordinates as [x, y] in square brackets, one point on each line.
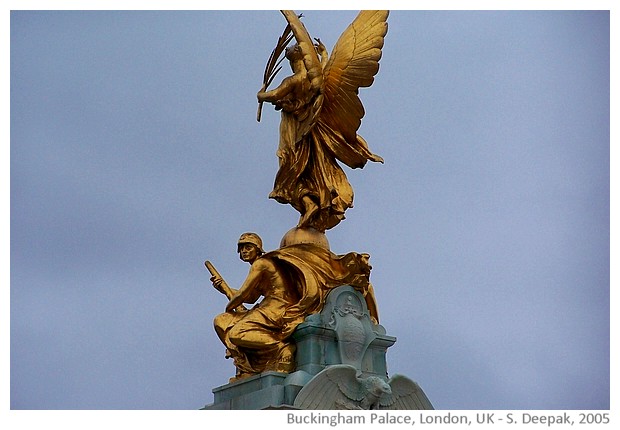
[252, 238]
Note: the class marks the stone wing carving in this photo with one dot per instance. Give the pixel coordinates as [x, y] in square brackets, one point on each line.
[342, 387]
[406, 394]
[335, 387]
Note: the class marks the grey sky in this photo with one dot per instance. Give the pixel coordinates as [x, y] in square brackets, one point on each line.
[135, 156]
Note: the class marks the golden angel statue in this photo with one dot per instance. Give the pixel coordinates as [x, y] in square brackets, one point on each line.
[321, 113]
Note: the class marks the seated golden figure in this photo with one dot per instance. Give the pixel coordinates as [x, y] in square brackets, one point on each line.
[293, 282]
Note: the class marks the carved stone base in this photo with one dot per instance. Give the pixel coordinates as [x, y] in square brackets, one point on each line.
[341, 337]
[265, 391]
[342, 333]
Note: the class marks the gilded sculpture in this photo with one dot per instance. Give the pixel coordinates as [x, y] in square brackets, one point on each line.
[293, 282]
[320, 115]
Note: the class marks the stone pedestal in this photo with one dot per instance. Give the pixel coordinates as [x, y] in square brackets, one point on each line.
[341, 334]
[264, 391]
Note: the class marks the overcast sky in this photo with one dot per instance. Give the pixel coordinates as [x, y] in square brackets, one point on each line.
[135, 155]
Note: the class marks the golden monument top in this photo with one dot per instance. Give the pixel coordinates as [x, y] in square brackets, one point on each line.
[321, 113]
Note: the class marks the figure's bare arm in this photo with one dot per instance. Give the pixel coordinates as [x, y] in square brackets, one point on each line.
[287, 86]
[221, 285]
[249, 291]
[218, 282]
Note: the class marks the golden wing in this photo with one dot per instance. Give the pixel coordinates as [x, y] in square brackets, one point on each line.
[353, 64]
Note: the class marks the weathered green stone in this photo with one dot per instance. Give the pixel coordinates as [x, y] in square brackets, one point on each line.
[342, 333]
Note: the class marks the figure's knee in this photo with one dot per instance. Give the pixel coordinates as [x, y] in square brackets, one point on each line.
[245, 336]
[223, 322]
[220, 321]
[238, 335]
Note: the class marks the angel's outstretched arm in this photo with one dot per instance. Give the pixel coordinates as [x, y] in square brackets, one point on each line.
[286, 87]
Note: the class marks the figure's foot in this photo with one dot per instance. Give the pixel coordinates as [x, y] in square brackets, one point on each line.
[239, 375]
[286, 360]
[285, 367]
[311, 209]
